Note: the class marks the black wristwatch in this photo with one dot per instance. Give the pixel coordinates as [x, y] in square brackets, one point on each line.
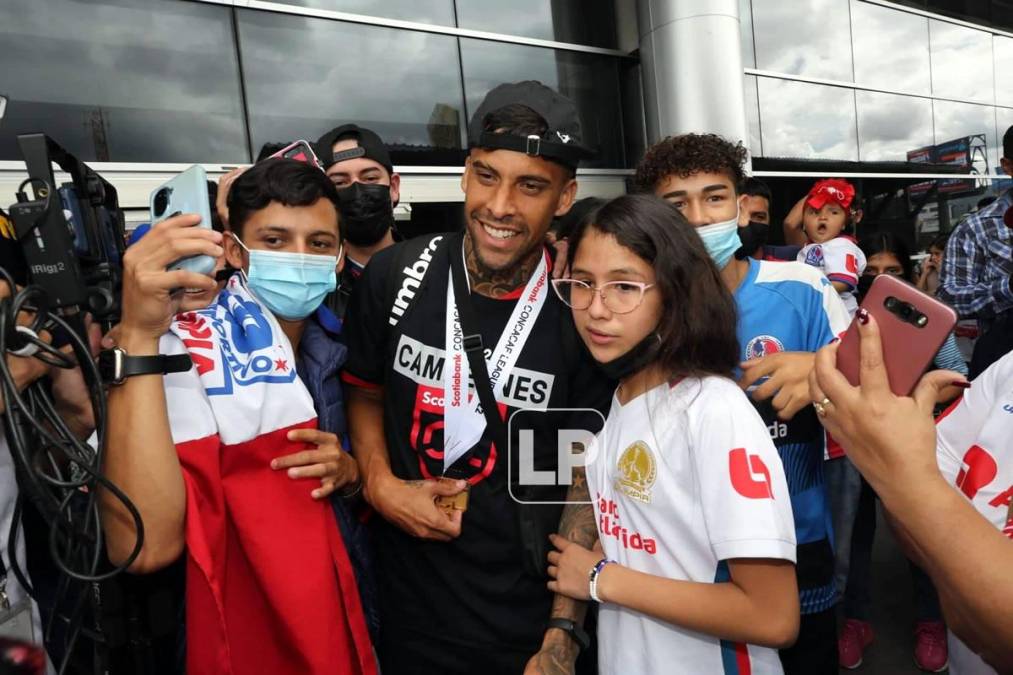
[574, 630]
[115, 365]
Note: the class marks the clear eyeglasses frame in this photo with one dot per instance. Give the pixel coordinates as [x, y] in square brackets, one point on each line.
[619, 297]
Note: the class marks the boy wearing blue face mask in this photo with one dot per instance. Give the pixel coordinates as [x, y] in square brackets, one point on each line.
[202, 454]
[786, 311]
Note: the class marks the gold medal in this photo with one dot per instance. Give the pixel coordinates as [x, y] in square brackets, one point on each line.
[458, 502]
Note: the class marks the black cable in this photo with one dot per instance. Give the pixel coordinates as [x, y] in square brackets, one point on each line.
[58, 472]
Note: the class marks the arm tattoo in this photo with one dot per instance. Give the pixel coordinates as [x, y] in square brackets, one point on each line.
[576, 524]
[497, 283]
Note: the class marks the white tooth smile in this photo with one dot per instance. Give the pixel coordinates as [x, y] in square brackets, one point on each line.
[497, 233]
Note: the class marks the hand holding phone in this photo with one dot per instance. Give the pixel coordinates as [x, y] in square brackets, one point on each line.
[913, 326]
[186, 193]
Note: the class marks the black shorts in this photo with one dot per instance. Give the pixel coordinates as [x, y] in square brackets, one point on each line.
[815, 651]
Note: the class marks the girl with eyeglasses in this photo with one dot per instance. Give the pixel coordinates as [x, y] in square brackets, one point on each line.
[695, 572]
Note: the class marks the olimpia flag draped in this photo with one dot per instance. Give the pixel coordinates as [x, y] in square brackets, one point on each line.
[269, 586]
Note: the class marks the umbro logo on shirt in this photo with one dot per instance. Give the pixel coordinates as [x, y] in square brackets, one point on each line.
[412, 280]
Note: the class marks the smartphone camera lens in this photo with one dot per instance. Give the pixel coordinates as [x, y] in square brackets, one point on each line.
[891, 303]
[906, 311]
[161, 202]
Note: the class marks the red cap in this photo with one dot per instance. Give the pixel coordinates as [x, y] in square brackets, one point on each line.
[834, 190]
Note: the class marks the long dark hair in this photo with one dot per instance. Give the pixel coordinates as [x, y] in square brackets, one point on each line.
[888, 242]
[697, 325]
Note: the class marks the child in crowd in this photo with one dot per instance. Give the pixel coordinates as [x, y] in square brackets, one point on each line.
[690, 499]
[928, 277]
[831, 248]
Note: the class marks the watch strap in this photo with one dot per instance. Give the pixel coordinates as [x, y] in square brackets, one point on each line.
[115, 365]
[573, 629]
[156, 363]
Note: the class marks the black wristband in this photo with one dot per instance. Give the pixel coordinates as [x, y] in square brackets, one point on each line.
[115, 365]
[574, 630]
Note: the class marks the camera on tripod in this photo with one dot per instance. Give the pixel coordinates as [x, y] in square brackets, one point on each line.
[71, 235]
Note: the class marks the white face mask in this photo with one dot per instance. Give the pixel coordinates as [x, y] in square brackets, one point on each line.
[721, 239]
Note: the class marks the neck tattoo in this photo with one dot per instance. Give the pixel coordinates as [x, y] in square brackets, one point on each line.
[498, 283]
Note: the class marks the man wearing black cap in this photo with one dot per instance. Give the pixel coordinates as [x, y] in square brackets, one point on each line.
[358, 162]
[977, 273]
[462, 562]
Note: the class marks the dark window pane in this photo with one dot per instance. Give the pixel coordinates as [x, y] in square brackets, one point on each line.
[592, 81]
[424, 11]
[305, 76]
[994, 13]
[890, 125]
[905, 65]
[961, 62]
[807, 120]
[586, 22]
[122, 80]
[803, 37]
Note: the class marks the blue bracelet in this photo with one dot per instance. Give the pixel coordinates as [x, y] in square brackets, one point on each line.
[593, 578]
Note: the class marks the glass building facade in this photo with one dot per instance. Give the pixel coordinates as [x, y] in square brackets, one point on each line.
[181, 81]
[866, 80]
[144, 87]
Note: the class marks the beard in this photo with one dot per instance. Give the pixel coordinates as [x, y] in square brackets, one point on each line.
[497, 266]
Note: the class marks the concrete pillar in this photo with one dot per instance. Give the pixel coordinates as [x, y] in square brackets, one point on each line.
[691, 55]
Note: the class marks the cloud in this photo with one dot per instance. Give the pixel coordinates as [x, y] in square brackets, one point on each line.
[961, 61]
[807, 120]
[1003, 48]
[803, 37]
[889, 126]
[891, 48]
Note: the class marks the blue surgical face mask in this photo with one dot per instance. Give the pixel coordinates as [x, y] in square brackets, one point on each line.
[721, 240]
[291, 285]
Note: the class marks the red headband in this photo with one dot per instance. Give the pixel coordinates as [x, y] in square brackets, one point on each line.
[831, 190]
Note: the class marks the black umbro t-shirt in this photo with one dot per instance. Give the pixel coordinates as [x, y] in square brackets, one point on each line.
[474, 590]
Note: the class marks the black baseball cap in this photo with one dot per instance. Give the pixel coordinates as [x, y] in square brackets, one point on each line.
[371, 146]
[561, 142]
[1007, 144]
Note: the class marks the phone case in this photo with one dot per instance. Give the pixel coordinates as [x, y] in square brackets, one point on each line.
[186, 193]
[913, 327]
[301, 151]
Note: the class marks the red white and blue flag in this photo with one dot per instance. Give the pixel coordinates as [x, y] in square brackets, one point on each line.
[270, 588]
